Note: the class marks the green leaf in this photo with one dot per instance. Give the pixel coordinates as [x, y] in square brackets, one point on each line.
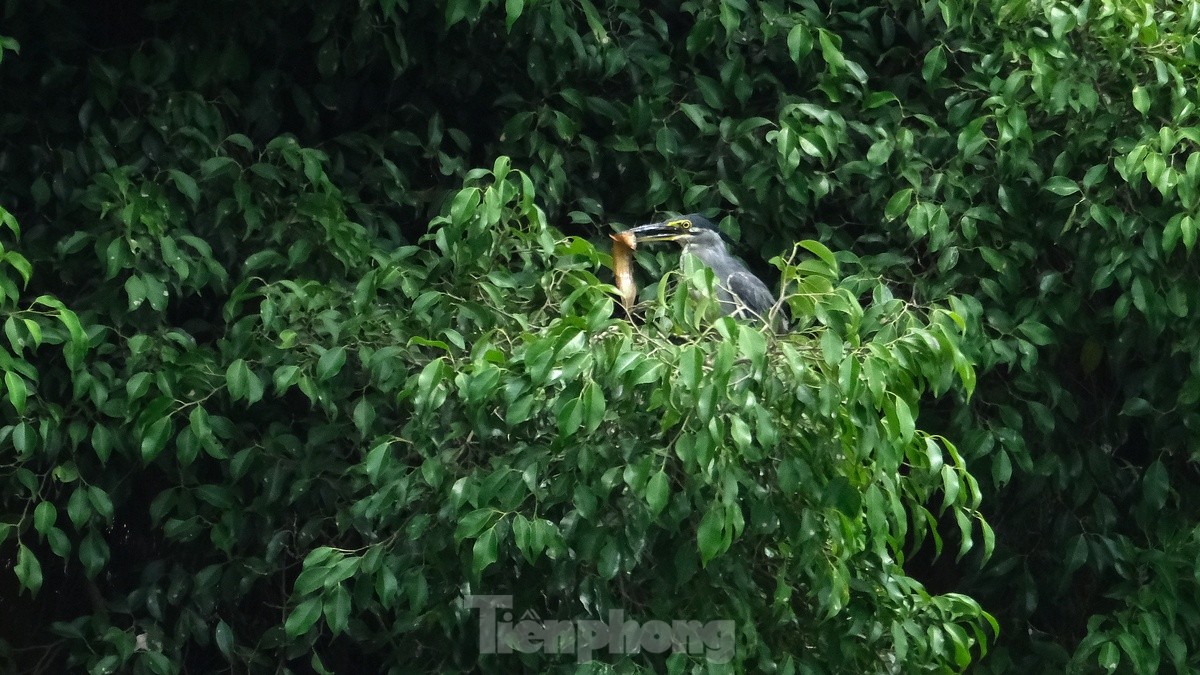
[215, 165]
[709, 536]
[830, 50]
[898, 204]
[1109, 656]
[462, 209]
[1141, 99]
[1156, 485]
[331, 363]
[740, 431]
[199, 422]
[137, 385]
[609, 562]
[223, 636]
[519, 411]
[570, 417]
[989, 539]
[237, 379]
[512, 9]
[1137, 291]
[311, 578]
[375, 459]
[7, 218]
[471, 524]
[593, 20]
[751, 344]
[186, 184]
[821, 251]
[28, 569]
[135, 289]
[44, 517]
[592, 406]
[544, 534]
[1038, 334]
[363, 415]
[658, 492]
[101, 503]
[286, 376]
[25, 439]
[337, 609]
[79, 509]
[525, 535]
[17, 393]
[1061, 185]
[93, 553]
[485, 550]
[1076, 553]
[21, 265]
[934, 64]
[303, 618]
[1061, 21]
[904, 418]
[691, 367]
[66, 472]
[832, 347]
[880, 151]
[59, 543]
[35, 331]
[799, 42]
[1188, 229]
[429, 376]
[951, 486]
[155, 438]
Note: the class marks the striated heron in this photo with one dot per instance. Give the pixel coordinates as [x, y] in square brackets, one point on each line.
[740, 293]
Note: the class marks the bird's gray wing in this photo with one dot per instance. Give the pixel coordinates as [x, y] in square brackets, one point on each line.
[750, 294]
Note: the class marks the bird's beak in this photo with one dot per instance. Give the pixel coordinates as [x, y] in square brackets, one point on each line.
[657, 232]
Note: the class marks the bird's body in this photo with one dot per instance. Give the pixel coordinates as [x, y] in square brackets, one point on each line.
[740, 293]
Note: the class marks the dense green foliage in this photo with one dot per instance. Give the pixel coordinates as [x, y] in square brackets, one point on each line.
[309, 334]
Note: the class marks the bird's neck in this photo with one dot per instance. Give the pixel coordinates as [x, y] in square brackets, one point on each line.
[707, 254]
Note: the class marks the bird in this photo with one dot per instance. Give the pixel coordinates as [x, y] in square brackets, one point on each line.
[740, 294]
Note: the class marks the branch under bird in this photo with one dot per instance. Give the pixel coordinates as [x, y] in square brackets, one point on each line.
[739, 292]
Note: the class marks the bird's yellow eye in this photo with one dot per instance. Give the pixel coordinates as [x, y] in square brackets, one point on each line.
[685, 224]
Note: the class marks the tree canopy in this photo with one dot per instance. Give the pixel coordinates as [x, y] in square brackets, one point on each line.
[310, 335]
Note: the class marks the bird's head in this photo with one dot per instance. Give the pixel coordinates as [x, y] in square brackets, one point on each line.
[694, 229]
